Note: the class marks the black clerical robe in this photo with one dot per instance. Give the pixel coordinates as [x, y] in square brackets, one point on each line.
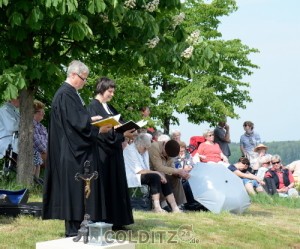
[72, 141]
[118, 207]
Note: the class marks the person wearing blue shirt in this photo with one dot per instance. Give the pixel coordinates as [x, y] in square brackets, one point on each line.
[248, 141]
[9, 126]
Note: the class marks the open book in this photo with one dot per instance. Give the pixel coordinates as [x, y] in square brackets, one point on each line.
[130, 125]
[113, 120]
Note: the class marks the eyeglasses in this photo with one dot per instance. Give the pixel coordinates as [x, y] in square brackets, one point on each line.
[83, 79]
[276, 162]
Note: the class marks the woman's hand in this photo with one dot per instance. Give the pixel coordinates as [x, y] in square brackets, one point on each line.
[130, 134]
[225, 159]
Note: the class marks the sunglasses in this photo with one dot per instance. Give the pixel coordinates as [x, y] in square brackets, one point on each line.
[267, 163]
[276, 162]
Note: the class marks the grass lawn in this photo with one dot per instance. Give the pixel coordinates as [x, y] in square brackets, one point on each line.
[268, 223]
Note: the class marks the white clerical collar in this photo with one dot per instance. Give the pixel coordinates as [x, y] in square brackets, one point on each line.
[106, 108]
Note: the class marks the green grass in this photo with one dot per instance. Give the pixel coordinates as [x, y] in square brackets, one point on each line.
[270, 222]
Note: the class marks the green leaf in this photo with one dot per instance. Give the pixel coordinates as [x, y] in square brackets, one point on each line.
[220, 65]
[100, 6]
[11, 92]
[20, 35]
[112, 31]
[48, 3]
[16, 19]
[20, 82]
[3, 2]
[77, 31]
[91, 6]
[208, 53]
[34, 18]
[72, 5]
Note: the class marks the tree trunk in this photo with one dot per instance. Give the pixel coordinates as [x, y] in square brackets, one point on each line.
[166, 127]
[25, 165]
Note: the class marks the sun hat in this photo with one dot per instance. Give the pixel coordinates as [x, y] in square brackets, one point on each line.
[260, 146]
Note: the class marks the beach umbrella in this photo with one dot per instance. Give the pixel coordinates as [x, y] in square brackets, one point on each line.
[218, 189]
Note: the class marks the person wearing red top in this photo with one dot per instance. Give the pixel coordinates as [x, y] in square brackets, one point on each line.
[210, 151]
[283, 178]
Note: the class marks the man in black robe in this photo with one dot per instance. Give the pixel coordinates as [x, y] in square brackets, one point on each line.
[72, 141]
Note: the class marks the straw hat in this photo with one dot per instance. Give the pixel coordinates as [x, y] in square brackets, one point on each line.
[260, 146]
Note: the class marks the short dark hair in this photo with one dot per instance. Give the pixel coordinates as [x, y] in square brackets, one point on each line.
[244, 160]
[103, 84]
[249, 123]
[172, 148]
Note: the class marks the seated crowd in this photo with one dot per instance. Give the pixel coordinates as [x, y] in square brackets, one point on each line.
[164, 166]
[163, 162]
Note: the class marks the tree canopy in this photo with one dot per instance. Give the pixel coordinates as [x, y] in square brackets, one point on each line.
[162, 53]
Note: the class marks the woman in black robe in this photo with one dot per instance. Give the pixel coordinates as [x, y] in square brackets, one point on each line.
[117, 200]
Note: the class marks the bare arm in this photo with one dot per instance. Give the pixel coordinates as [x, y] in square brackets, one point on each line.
[227, 134]
[248, 176]
[242, 150]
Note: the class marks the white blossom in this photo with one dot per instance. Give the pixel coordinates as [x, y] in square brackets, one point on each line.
[187, 53]
[152, 6]
[178, 19]
[104, 18]
[193, 38]
[130, 4]
[151, 43]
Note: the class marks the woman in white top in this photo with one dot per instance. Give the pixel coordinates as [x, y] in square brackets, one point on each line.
[138, 172]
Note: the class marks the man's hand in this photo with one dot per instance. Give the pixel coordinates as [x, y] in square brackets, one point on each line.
[187, 167]
[183, 174]
[96, 118]
[105, 128]
[162, 177]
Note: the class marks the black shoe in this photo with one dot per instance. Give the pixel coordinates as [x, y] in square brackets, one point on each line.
[182, 207]
[167, 208]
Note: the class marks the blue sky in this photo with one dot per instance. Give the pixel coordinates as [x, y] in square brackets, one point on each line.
[273, 27]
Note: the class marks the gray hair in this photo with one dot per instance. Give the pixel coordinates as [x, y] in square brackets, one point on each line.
[264, 159]
[163, 138]
[77, 67]
[143, 140]
[275, 158]
[173, 132]
[157, 133]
